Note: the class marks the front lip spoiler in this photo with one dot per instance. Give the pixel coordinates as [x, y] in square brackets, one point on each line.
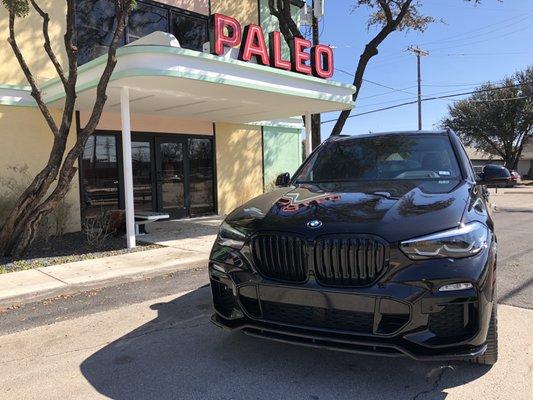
[313, 339]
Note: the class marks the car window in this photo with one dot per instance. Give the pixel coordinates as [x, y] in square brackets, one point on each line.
[391, 157]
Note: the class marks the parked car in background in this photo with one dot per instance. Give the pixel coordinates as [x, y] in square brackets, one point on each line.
[500, 176]
[516, 179]
[380, 243]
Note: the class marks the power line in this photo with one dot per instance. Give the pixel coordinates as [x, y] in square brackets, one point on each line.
[374, 83]
[482, 54]
[432, 94]
[489, 100]
[483, 40]
[458, 37]
[433, 98]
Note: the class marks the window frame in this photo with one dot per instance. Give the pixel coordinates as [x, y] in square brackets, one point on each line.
[169, 10]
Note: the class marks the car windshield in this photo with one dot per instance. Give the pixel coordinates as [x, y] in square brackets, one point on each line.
[388, 157]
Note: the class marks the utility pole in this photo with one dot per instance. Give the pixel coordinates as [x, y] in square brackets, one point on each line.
[419, 53]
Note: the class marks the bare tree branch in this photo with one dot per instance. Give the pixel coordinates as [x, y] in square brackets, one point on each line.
[386, 10]
[371, 49]
[47, 46]
[35, 91]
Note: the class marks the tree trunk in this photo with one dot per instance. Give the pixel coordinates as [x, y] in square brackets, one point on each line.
[315, 130]
[34, 204]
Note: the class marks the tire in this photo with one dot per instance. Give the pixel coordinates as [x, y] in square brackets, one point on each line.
[491, 354]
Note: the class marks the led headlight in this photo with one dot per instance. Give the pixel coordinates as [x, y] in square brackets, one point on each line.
[230, 236]
[464, 241]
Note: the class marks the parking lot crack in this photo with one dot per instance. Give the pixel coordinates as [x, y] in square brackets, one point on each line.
[436, 382]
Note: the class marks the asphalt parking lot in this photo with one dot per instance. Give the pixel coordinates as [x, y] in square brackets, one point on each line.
[153, 340]
[514, 228]
[166, 349]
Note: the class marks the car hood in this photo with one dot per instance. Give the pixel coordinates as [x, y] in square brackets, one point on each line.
[393, 210]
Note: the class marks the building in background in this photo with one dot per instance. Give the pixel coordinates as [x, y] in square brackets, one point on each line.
[207, 132]
[525, 165]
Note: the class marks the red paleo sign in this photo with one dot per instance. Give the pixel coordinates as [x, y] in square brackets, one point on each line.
[305, 58]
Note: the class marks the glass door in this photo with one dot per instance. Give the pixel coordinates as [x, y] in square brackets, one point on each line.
[171, 176]
[201, 176]
[143, 188]
[100, 175]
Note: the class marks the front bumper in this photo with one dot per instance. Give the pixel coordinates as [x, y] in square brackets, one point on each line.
[404, 314]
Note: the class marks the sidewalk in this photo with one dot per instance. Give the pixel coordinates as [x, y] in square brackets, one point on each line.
[512, 199]
[186, 245]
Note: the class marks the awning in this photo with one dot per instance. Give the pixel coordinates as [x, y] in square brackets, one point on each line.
[170, 80]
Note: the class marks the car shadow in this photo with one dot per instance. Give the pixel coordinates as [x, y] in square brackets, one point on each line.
[181, 355]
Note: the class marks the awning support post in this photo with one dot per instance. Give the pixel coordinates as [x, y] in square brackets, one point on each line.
[308, 135]
[127, 165]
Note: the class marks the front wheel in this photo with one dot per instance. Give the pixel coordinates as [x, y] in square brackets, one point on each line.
[491, 354]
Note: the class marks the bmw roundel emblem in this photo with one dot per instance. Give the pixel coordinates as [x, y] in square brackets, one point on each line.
[315, 223]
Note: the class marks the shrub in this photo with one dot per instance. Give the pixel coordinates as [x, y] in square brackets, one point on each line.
[98, 228]
[13, 184]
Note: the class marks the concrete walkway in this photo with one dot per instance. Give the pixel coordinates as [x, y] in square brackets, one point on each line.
[187, 244]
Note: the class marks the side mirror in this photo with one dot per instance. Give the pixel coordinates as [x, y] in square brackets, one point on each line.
[283, 179]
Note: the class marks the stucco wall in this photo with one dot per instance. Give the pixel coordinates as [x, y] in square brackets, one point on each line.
[152, 123]
[244, 11]
[199, 6]
[239, 165]
[29, 37]
[281, 152]
[26, 140]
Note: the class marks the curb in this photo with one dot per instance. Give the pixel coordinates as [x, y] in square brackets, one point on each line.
[38, 292]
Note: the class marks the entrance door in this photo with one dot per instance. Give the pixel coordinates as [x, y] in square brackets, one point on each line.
[171, 176]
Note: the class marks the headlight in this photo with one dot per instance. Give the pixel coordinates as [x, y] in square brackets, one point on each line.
[465, 241]
[230, 236]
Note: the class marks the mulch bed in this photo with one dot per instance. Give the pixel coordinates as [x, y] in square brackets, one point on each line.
[68, 248]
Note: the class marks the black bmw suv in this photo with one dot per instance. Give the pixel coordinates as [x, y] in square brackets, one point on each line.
[380, 243]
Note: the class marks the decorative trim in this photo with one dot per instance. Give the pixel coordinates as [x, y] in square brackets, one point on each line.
[137, 72]
[198, 54]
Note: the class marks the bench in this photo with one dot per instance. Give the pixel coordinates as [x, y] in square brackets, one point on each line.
[143, 218]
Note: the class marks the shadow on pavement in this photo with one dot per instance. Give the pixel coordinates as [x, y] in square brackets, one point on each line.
[181, 355]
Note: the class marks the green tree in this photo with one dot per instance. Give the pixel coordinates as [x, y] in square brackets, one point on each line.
[498, 118]
[48, 188]
[385, 17]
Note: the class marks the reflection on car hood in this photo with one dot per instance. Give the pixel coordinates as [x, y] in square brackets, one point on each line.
[394, 210]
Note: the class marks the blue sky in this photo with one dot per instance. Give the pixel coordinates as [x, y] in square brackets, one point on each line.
[474, 44]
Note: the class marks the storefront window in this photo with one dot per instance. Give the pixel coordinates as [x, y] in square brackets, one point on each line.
[141, 157]
[96, 22]
[201, 176]
[95, 25]
[190, 31]
[171, 173]
[100, 175]
[145, 19]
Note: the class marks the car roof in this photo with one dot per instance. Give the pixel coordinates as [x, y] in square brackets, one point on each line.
[393, 133]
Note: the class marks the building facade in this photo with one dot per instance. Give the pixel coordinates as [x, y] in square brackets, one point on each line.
[206, 132]
[524, 167]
